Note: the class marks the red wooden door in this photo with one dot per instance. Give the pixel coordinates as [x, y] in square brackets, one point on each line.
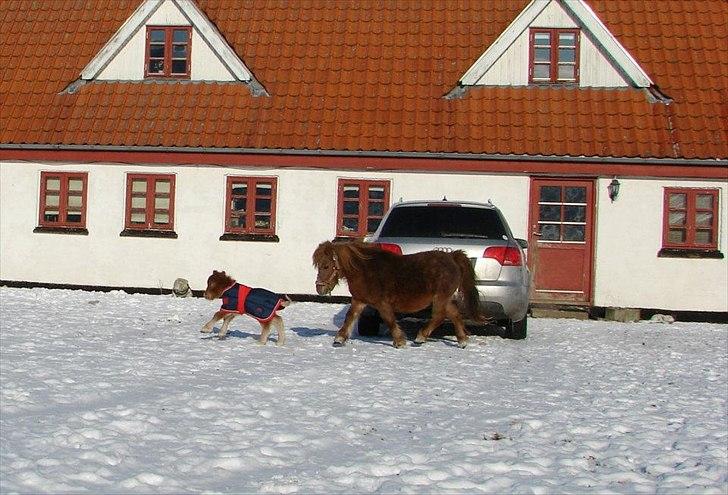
[561, 240]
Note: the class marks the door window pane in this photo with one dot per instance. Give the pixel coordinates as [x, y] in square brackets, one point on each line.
[550, 194]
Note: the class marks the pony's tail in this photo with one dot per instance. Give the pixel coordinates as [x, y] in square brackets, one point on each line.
[467, 286]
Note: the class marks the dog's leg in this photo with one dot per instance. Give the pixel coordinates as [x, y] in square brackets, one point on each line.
[280, 329]
[207, 328]
[264, 332]
[225, 324]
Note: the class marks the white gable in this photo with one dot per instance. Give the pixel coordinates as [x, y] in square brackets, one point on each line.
[603, 61]
[212, 59]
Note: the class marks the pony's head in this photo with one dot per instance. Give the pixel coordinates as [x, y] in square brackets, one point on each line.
[217, 283]
[326, 262]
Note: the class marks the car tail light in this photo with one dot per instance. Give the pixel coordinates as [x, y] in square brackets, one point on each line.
[505, 255]
[388, 246]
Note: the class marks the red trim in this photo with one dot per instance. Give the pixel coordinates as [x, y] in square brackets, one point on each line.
[250, 202]
[63, 194]
[597, 168]
[690, 211]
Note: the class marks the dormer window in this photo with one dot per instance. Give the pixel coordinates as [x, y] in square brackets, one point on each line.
[554, 56]
[168, 52]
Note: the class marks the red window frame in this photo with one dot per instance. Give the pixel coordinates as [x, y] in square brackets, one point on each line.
[169, 45]
[692, 225]
[64, 193]
[361, 210]
[554, 56]
[151, 208]
[253, 215]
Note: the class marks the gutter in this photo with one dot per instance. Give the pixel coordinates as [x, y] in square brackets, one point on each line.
[712, 162]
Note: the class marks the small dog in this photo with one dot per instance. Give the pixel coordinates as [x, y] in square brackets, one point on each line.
[237, 299]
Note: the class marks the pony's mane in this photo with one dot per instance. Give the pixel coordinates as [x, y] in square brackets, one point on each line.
[354, 255]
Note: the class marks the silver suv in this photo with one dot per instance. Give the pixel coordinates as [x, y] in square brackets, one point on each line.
[502, 276]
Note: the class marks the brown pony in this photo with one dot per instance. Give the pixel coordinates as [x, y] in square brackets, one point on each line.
[394, 283]
[263, 305]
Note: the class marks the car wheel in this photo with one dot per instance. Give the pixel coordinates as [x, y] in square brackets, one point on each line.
[516, 329]
[369, 322]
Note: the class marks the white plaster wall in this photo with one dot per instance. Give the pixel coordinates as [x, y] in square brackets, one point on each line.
[305, 216]
[628, 272]
[128, 64]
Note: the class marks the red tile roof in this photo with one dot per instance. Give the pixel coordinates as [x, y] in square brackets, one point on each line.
[366, 75]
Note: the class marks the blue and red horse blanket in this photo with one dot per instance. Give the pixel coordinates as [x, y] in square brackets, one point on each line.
[261, 304]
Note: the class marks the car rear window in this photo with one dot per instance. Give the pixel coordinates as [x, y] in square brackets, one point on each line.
[444, 222]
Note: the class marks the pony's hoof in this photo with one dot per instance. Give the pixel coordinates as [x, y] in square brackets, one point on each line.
[205, 330]
[463, 344]
[337, 344]
[417, 343]
[399, 345]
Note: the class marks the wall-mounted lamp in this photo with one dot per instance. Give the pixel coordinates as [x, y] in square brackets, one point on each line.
[613, 189]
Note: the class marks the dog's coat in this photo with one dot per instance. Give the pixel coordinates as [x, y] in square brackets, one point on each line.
[261, 304]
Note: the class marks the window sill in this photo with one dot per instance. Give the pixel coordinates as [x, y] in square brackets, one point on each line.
[61, 230]
[163, 234]
[689, 253]
[249, 237]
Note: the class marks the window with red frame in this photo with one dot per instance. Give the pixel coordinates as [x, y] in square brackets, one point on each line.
[361, 206]
[554, 56]
[168, 51]
[690, 219]
[149, 202]
[63, 199]
[250, 205]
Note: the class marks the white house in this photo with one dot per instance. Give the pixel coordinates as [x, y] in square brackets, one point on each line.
[148, 140]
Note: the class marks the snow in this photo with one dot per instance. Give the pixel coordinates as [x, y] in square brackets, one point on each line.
[118, 393]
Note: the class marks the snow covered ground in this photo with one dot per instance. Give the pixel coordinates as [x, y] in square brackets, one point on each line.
[118, 393]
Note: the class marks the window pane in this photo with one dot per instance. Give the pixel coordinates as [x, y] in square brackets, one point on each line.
[376, 193]
[704, 202]
[550, 194]
[161, 217]
[51, 215]
[678, 201]
[264, 189]
[179, 51]
[550, 232]
[263, 205]
[543, 54]
[567, 72]
[677, 218]
[567, 39]
[162, 186]
[138, 202]
[351, 191]
[52, 200]
[240, 189]
[704, 219]
[73, 218]
[541, 71]
[351, 208]
[373, 224]
[156, 66]
[574, 213]
[549, 213]
[156, 51]
[238, 204]
[156, 35]
[238, 222]
[161, 203]
[575, 194]
[704, 237]
[75, 185]
[180, 35]
[138, 217]
[542, 38]
[262, 222]
[573, 232]
[179, 66]
[53, 185]
[139, 186]
[74, 202]
[376, 209]
[567, 55]
[676, 236]
[351, 224]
